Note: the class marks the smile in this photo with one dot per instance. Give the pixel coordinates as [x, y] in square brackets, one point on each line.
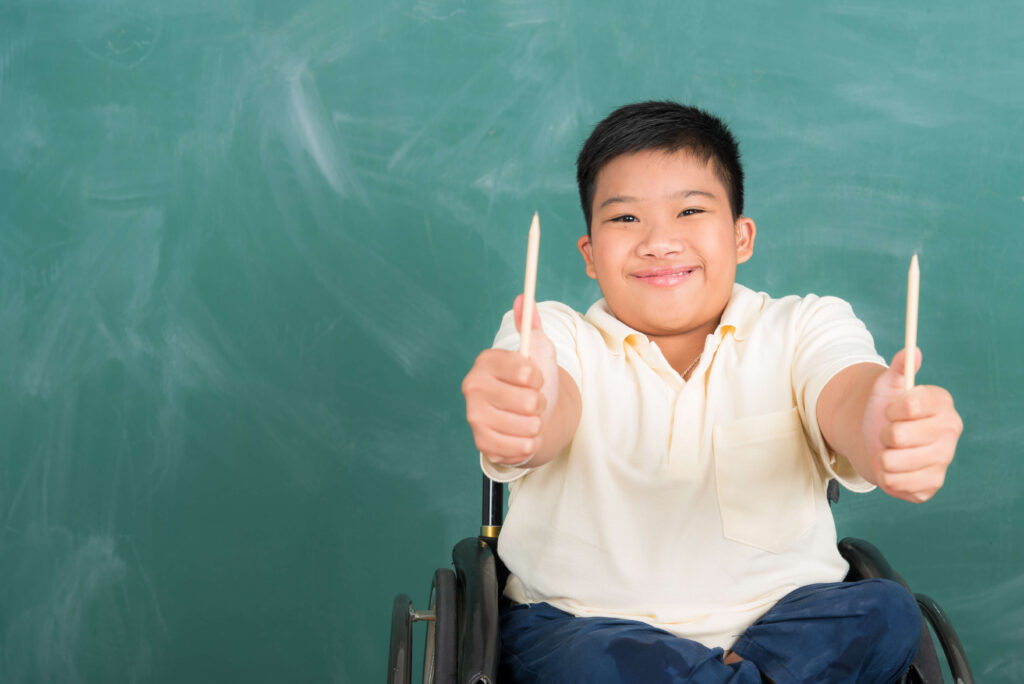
[665, 276]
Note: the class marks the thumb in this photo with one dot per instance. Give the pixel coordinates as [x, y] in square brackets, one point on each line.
[517, 308]
[897, 369]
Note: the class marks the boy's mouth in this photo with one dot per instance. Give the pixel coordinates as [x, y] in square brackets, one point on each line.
[664, 276]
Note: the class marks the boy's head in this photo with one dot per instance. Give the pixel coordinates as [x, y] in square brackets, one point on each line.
[661, 188]
[665, 126]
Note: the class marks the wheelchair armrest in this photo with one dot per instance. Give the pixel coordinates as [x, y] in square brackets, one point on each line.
[867, 562]
[479, 643]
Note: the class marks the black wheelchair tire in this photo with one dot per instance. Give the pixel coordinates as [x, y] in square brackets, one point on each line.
[440, 656]
[400, 650]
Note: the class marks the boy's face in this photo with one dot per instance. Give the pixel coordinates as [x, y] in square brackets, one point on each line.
[663, 245]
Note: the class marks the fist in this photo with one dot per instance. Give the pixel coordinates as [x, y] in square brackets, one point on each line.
[911, 435]
[510, 397]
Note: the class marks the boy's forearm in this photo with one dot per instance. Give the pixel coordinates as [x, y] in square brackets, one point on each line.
[841, 409]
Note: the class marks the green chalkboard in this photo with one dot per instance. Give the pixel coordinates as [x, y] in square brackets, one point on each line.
[248, 249]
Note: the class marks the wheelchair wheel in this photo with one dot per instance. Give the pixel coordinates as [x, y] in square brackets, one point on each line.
[441, 652]
[400, 651]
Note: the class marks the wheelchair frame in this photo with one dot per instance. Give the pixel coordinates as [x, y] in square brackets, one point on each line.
[463, 644]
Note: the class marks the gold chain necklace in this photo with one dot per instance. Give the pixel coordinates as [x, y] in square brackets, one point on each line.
[691, 366]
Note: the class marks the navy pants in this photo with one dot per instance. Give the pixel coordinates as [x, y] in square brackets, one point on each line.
[865, 631]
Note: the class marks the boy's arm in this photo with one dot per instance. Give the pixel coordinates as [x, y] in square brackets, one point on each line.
[523, 411]
[903, 441]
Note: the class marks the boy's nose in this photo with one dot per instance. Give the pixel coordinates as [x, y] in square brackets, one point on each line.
[661, 241]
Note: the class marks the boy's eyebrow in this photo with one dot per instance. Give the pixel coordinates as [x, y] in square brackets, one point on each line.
[682, 194]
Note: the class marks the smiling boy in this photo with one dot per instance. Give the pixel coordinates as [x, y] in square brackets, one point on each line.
[668, 452]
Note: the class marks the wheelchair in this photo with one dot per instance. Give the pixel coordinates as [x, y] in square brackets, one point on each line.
[462, 642]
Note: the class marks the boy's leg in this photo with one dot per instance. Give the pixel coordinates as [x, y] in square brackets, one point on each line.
[545, 645]
[865, 631]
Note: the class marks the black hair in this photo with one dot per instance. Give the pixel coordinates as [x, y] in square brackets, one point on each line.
[667, 126]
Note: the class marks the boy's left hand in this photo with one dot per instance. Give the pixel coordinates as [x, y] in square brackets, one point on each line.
[910, 435]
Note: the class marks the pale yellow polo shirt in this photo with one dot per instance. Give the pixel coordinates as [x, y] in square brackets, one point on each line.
[693, 506]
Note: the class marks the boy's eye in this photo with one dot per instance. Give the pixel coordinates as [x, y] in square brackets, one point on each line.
[690, 212]
[625, 218]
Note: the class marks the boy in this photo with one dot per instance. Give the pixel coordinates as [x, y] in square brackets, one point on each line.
[668, 452]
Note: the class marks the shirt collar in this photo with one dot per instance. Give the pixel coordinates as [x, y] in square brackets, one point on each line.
[742, 312]
[740, 315]
[615, 332]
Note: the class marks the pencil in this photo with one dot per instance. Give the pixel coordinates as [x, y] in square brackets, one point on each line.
[530, 284]
[913, 293]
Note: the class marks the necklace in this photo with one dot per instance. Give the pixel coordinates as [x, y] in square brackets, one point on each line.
[691, 366]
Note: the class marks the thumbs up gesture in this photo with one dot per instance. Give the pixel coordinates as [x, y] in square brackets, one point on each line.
[910, 435]
[510, 398]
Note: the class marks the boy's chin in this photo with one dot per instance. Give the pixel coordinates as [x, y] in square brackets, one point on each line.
[673, 327]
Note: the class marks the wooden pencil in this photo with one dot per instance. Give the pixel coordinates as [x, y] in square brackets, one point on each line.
[530, 284]
[913, 294]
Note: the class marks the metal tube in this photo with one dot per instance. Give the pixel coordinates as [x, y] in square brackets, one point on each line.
[493, 503]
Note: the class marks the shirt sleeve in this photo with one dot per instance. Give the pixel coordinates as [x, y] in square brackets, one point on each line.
[829, 338]
[559, 324]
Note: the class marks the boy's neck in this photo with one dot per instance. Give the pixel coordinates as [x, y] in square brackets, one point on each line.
[683, 351]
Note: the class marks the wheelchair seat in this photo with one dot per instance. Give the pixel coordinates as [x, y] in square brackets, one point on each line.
[463, 642]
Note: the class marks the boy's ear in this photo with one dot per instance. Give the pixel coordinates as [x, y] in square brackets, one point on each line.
[746, 231]
[583, 244]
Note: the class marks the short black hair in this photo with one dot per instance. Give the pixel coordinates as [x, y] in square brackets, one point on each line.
[667, 126]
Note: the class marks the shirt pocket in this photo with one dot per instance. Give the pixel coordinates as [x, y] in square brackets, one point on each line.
[766, 480]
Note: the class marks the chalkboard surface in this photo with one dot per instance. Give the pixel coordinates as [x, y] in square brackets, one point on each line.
[248, 249]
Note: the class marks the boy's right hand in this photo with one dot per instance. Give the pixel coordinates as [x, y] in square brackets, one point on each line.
[510, 398]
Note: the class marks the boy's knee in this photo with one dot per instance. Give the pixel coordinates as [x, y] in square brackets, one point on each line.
[895, 619]
[898, 607]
